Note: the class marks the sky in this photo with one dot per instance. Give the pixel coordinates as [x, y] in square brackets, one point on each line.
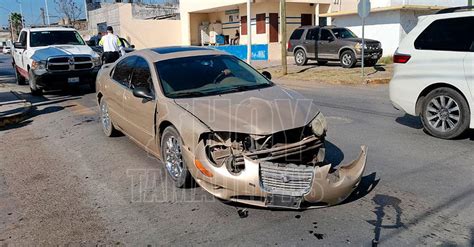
[31, 10]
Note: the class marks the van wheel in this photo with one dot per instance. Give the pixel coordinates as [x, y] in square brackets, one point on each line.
[300, 57]
[171, 153]
[20, 80]
[32, 80]
[445, 113]
[348, 59]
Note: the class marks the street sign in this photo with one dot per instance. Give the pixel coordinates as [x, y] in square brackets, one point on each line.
[363, 8]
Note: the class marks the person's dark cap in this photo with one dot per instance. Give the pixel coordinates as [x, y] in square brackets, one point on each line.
[109, 28]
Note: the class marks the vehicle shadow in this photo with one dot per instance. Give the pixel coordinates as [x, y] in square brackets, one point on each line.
[410, 121]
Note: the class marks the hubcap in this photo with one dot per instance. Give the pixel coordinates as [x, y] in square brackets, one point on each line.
[443, 113]
[346, 59]
[299, 57]
[105, 117]
[173, 157]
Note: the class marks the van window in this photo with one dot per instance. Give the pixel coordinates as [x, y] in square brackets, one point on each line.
[296, 35]
[312, 34]
[455, 34]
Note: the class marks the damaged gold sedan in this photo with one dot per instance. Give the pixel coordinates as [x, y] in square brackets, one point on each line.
[213, 119]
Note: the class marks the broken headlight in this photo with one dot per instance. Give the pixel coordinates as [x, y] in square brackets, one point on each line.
[319, 125]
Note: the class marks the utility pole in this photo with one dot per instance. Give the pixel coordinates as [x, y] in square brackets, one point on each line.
[284, 65]
[21, 13]
[43, 17]
[249, 32]
[47, 12]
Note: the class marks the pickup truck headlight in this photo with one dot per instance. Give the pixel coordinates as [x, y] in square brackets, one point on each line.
[96, 61]
[319, 125]
[38, 65]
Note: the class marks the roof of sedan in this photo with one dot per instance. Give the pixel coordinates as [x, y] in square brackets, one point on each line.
[170, 52]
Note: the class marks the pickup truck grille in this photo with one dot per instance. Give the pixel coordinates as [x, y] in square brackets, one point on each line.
[286, 179]
[70, 63]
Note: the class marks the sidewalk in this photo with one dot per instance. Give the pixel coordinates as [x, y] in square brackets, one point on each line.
[14, 107]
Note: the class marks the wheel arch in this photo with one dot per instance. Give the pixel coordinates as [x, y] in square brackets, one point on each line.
[161, 128]
[428, 89]
[346, 48]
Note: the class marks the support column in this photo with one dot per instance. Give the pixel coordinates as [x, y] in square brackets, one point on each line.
[249, 32]
[316, 15]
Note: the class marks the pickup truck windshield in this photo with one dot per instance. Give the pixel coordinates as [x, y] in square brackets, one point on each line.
[46, 38]
[207, 75]
[343, 33]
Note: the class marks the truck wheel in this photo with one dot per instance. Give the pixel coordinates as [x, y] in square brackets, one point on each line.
[32, 80]
[20, 80]
[445, 113]
[348, 59]
[300, 57]
[171, 153]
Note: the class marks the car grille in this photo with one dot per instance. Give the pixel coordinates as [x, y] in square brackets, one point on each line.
[70, 63]
[374, 46]
[286, 179]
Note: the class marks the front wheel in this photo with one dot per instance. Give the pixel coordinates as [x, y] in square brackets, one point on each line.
[171, 153]
[348, 59]
[300, 58]
[33, 80]
[445, 113]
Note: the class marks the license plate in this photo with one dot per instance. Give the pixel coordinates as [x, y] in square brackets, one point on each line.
[283, 201]
[73, 80]
[375, 56]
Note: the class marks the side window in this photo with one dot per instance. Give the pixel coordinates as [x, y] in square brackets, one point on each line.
[326, 35]
[455, 34]
[296, 35]
[123, 70]
[141, 74]
[312, 34]
[22, 38]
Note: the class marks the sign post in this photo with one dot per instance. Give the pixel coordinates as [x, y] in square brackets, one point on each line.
[363, 9]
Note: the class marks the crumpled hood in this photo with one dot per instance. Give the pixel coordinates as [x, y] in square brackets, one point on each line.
[43, 53]
[259, 112]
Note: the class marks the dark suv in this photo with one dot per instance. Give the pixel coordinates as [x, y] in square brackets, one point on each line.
[331, 43]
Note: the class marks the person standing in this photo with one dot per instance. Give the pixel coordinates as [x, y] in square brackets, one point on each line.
[235, 40]
[111, 45]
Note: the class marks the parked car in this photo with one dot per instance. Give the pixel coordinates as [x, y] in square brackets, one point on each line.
[127, 47]
[6, 49]
[434, 73]
[53, 57]
[332, 43]
[212, 117]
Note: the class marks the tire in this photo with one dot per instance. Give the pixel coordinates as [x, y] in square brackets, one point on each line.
[370, 63]
[106, 121]
[32, 80]
[445, 113]
[322, 63]
[20, 80]
[175, 164]
[300, 57]
[348, 59]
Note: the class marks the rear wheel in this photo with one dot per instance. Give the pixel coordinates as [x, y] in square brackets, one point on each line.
[171, 153]
[348, 59]
[33, 80]
[300, 57]
[445, 113]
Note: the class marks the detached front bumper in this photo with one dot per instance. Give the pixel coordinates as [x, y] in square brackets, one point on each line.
[266, 184]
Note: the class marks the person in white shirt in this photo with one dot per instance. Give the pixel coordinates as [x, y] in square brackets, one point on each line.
[111, 45]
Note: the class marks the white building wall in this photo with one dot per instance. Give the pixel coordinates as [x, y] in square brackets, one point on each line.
[383, 26]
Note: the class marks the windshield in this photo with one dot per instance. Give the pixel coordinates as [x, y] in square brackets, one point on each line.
[343, 33]
[207, 75]
[46, 38]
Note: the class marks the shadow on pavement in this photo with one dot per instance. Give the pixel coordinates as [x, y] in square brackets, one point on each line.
[367, 184]
[383, 202]
[410, 121]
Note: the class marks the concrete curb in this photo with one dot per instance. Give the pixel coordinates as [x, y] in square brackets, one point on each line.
[17, 117]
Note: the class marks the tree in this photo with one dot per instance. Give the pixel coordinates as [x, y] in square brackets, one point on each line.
[68, 8]
[15, 20]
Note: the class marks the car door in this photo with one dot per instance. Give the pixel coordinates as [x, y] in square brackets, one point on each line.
[310, 42]
[140, 112]
[325, 42]
[469, 68]
[115, 90]
[18, 55]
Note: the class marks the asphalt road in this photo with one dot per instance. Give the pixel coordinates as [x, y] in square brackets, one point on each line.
[63, 182]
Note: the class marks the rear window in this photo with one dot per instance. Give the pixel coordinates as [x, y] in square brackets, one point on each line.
[297, 34]
[455, 34]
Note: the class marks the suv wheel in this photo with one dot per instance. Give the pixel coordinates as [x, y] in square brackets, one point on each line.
[348, 59]
[32, 80]
[300, 57]
[20, 80]
[445, 113]
[171, 153]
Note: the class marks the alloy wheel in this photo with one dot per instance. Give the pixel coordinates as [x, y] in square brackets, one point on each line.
[443, 113]
[173, 157]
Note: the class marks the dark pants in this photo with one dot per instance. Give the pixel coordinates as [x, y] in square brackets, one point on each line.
[110, 57]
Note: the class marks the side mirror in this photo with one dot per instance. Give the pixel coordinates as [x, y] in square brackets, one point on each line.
[132, 46]
[18, 45]
[143, 92]
[91, 43]
[331, 39]
[267, 75]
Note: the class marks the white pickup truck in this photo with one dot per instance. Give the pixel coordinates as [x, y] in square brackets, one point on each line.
[54, 57]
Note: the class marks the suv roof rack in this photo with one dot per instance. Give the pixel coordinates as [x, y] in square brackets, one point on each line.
[455, 9]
